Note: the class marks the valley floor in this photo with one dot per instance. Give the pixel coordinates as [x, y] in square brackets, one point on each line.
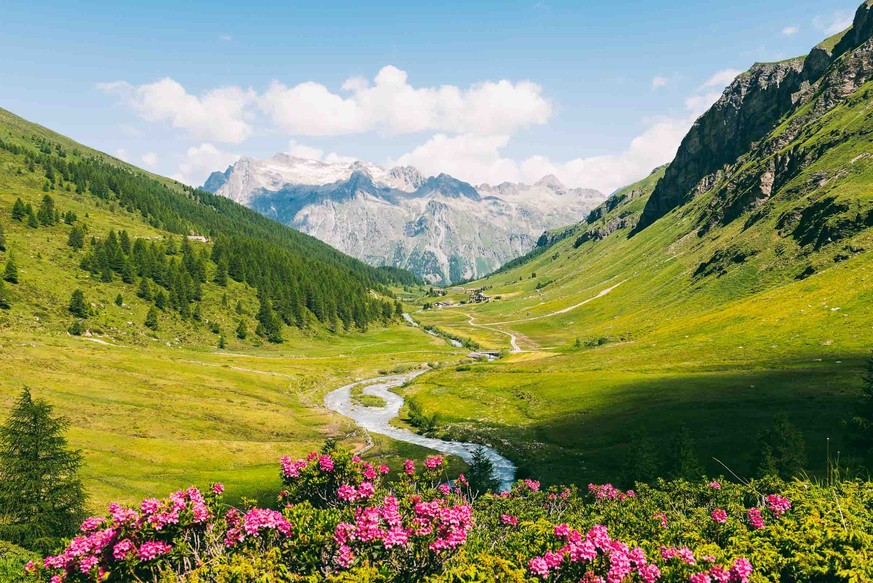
[151, 420]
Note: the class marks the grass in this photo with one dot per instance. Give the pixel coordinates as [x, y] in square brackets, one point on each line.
[150, 420]
[720, 351]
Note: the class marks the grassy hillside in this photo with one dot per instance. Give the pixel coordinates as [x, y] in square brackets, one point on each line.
[750, 298]
[158, 409]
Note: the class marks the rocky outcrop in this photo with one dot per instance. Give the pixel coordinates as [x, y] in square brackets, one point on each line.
[746, 119]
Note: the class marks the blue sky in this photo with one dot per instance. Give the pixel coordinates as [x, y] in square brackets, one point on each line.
[595, 92]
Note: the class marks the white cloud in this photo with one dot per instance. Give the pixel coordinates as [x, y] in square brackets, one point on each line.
[391, 105]
[225, 38]
[477, 159]
[218, 115]
[833, 23]
[659, 82]
[150, 159]
[200, 161]
[790, 30]
[721, 79]
[121, 154]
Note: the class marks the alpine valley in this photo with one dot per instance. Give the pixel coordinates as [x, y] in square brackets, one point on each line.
[440, 228]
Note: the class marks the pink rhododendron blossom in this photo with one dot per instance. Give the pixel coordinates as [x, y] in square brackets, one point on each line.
[740, 570]
[715, 485]
[151, 550]
[778, 505]
[325, 462]
[433, 462]
[662, 518]
[218, 488]
[700, 578]
[409, 467]
[532, 485]
[444, 489]
[383, 469]
[509, 520]
[347, 493]
[719, 515]
[719, 574]
[755, 518]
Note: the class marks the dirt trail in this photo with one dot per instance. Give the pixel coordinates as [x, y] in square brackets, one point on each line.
[513, 339]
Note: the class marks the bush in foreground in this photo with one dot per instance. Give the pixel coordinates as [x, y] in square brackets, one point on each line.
[339, 519]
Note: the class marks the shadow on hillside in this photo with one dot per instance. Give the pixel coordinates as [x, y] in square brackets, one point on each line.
[724, 412]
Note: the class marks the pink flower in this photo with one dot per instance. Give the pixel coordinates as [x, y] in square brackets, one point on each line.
[532, 485]
[715, 485]
[30, 567]
[649, 573]
[218, 488]
[345, 557]
[366, 490]
[153, 549]
[122, 549]
[538, 566]
[150, 505]
[778, 505]
[92, 523]
[508, 519]
[662, 518]
[720, 574]
[700, 578]
[755, 518]
[258, 519]
[409, 467]
[346, 492]
[325, 462]
[719, 515]
[740, 570]
[383, 469]
[444, 489]
[433, 462]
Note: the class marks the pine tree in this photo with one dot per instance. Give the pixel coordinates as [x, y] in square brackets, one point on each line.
[5, 299]
[19, 211]
[119, 301]
[145, 290]
[31, 220]
[76, 239]
[221, 274]
[11, 272]
[46, 213]
[151, 320]
[77, 306]
[241, 330]
[269, 324]
[160, 300]
[2, 239]
[41, 495]
[781, 450]
[221, 343]
[481, 474]
[641, 464]
[683, 461]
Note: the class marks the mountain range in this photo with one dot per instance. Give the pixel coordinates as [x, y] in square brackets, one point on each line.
[440, 228]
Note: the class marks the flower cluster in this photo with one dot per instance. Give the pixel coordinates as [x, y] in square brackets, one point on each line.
[578, 555]
[609, 492]
[129, 540]
[778, 505]
[256, 522]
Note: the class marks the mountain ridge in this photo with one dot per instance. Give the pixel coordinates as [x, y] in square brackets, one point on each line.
[439, 227]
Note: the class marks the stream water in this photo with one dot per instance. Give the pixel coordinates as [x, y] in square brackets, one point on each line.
[378, 420]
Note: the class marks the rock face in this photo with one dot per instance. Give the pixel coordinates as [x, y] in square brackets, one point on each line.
[441, 228]
[748, 114]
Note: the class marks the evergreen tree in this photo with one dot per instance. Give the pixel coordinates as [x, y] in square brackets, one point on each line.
[481, 474]
[5, 299]
[241, 330]
[46, 213]
[145, 290]
[77, 306]
[221, 274]
[196, 313]
[76, 239]
[19, 211]
[641, 464]
[269, 324]
[70, 217]
[683, 461]
[32, 222]
[221, 343]
[11, 272]
[160, 300]
[151, 320]
[119, 300]
[781, 450]
[2, 239]
[41, 496]
[76, 328]
[239, 308]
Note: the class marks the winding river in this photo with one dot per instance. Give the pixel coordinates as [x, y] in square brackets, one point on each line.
[378, 420]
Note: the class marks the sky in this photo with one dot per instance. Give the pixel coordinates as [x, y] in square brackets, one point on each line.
[597, 93]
